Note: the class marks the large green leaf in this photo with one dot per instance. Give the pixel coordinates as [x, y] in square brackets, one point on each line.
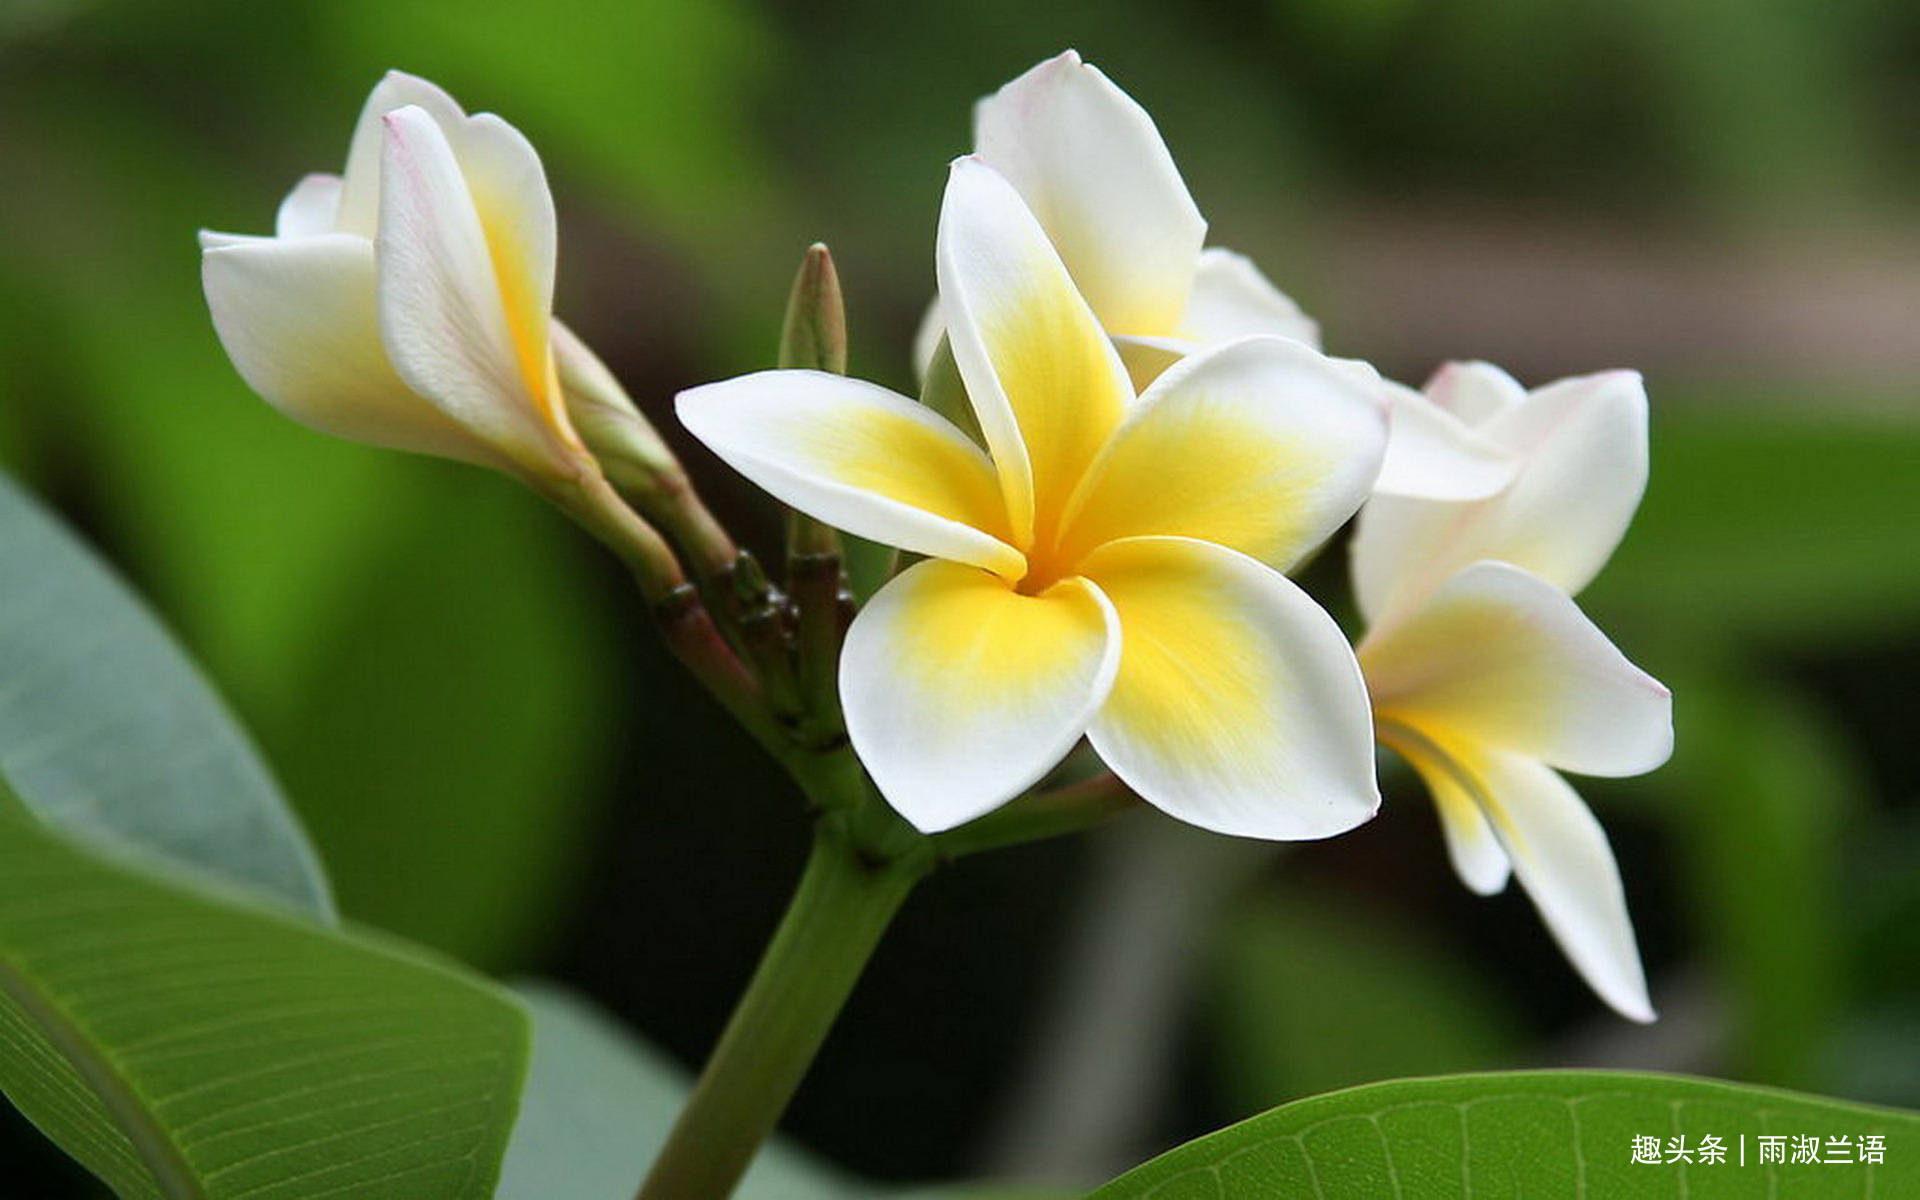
[1545, 1133]
[107, 730]
[184, 1047]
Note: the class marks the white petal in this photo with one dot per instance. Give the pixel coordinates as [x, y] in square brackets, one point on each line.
[1582, 446]
[1262, 445]
[298, 320]
[213, 239]
[359, 208]
[960, 693]
[1045, 382]
[859, 458]
[1232, 299]
[1434, 455]
[1476, 854]
[509, 188]
[1473, 849]
[1498, 657]
[1585, 445]
[311, 208]
[1090, 164]
[1475, 392]
[459, 307]
[1564, 861]
[1238, 707]
[926, 339]
[1396, 542]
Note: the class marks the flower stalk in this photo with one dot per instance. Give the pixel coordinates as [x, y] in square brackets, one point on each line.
[845, 901]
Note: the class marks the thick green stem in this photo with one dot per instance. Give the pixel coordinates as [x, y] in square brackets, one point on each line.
[844, 903]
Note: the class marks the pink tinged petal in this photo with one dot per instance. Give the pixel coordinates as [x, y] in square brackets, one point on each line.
[310, 209]
[1232, 299]
[1044, 381]
[859, 458]
[455, 305]
[1433, 455]
[1500, 658]
[1262, 445]
[359, 206]
[1475, 392]
[1582, 448]
[1238, 707]
[1094, 170]
[298, 320]
[1563, 859]
[960, 693]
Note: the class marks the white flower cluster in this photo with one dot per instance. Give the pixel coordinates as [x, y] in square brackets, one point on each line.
[1150, 439]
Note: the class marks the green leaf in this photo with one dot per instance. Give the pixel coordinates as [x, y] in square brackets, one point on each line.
[184, 1047]
[107, 731]
[597, 1109]
[1546, 1133]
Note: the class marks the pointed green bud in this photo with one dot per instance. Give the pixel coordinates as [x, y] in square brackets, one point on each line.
[815, 334]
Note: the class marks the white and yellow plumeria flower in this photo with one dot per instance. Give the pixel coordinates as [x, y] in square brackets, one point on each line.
[407, 301]
[1104, 567]
[1093, 168]
[1487, 677]
[1576, 464]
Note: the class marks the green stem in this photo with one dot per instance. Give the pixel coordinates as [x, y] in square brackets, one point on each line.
[1038, 815]
[816, 582]
[845, 901]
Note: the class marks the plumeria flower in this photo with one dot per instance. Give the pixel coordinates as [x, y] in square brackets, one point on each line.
[1091, 165]
[1488, 679]
[1106, 566]
[1093, 169]
[407, 301]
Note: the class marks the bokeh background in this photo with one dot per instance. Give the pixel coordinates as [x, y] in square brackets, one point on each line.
[495, 759]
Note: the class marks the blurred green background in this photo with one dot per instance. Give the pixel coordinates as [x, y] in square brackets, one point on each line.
[494, 758]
